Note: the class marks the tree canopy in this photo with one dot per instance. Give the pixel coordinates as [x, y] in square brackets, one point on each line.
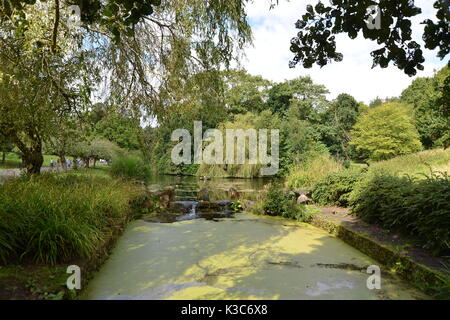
[316, 39]
[386, 131]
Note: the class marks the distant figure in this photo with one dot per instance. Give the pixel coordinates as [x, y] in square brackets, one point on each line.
[51, 163]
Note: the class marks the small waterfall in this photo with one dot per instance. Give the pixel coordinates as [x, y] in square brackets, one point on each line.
[192, 211]
[194, 208]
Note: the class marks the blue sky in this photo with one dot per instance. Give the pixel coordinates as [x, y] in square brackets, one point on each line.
[270, 54]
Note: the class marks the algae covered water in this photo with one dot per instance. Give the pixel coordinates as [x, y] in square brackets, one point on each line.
[245, 257]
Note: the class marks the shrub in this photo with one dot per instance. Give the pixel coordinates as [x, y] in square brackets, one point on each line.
[130, 166]
[335, 188]
[418, 208]
[278, 203]
[58, 217]
[308, 172]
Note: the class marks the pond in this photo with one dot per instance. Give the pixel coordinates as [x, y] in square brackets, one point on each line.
[242, 257]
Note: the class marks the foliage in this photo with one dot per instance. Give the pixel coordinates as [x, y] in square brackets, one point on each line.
[263, 120]
[431, 109]
[130, 166]
[40, 87]
[6, 145]
[244, 92]
[119, 129]
[278, 203]
[385, 132]
[419, 208]
[335, 188]
[316, 40]
[117, 16]
[337, 122]
[236, 206]
[301, 95]
[58, 217]
[308, 172]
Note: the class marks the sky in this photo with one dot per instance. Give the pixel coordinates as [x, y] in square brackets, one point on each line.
[269, 56]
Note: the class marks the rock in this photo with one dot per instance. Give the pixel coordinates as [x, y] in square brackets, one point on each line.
[182, 206]
[234, 194]
[170, 191]
[300, 192]
[167, 196]
[207, 206]
[302, 199]
[213, 210]
[203, 194]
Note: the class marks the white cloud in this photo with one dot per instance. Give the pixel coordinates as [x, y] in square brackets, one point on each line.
[270, 55]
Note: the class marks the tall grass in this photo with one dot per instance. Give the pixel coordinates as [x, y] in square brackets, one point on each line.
[130, 166]
[58, 217]
[416, 164]
[307, 173]
[245, 170]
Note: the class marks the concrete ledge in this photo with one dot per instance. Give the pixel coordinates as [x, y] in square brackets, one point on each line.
[422, 277]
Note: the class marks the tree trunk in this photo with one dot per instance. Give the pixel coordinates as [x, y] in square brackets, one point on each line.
[95, 161]
[63, 161]
[33, 162]
[31, 156]
[3, 157]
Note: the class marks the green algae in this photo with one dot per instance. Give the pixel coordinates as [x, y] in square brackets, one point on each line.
[248, 257]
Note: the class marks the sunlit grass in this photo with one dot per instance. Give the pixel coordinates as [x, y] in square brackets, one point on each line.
[61, 216]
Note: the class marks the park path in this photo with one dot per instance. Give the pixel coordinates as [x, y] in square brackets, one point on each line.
[6, 174]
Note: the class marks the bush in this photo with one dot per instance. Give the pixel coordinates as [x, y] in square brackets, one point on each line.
[130, 166]
[59, 217]
[335, 188]
[307, 173]
[418, 208]
[278, 203]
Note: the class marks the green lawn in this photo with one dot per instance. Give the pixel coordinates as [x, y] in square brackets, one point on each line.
[12, 160]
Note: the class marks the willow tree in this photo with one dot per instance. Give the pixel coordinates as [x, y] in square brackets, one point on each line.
[151, 68]
[145, 51]
[40, 84]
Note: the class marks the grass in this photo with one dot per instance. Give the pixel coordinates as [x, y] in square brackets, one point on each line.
[416, 164]
[12, 160]
[130, 167]
[305, 175]
[61, 216]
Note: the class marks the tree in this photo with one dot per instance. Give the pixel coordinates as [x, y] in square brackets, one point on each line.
[39, 87]
[6, 145]
[316, 40]
[338, 121]
[68, 135]
[116, 16]
[244, 92]
[46, 67]
[119, 129]
[102, 149]
[386, 131]
[431, 108]
[301, 96]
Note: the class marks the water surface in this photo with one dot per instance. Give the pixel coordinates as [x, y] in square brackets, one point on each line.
[245, 257]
